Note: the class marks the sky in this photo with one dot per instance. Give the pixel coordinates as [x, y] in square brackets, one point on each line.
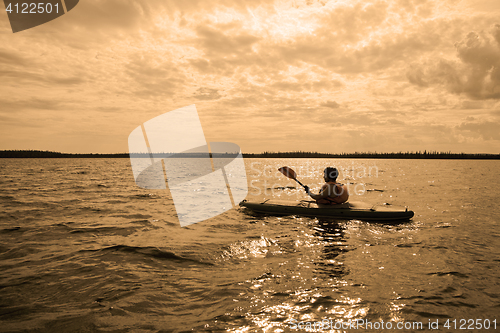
[311, 75]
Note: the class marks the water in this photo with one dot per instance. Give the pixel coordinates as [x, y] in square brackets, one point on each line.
[83, 249]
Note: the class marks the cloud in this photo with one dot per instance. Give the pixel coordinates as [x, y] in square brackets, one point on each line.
[20, 76]
[360, 38]
[12, 58]
[207, 94]
[496, 33]
[148, 76]
[471, 105]
[331, 104]
[10, 106]
[260, 65]
[476, 72]
[216, 42]
[303, 85]
[487, 130]
[354, 38]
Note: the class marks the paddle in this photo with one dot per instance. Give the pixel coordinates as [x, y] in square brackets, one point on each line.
[288, 172]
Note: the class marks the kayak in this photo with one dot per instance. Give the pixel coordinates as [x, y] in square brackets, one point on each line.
[347, 211]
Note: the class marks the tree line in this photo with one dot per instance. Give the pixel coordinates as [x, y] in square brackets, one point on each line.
[398, 155]
[293, 154]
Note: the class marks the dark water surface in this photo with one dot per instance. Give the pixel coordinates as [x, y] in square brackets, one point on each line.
[82, 249]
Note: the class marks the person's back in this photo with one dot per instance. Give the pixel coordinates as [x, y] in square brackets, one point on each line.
[331, 193]
[337, 193]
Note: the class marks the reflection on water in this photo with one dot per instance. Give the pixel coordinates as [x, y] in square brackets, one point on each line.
[306, 283]
[333, 236]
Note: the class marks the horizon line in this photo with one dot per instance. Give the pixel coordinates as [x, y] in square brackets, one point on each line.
[289, 154]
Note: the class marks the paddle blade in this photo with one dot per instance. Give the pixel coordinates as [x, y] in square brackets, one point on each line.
[288, 172]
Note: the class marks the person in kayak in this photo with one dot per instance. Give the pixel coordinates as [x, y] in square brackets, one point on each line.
[331, 193]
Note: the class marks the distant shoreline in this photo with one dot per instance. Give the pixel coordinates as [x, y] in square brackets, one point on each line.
[399, 155]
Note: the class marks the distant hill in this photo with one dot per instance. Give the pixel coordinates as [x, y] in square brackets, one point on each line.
[296, 154]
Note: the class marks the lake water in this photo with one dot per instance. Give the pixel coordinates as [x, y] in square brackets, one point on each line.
[83, 249]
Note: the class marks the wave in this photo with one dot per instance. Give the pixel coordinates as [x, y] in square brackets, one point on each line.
[8, 230]
[453, 273]
[80, 172]
[426, 314]
[149, 251]
[282, 188]
[144, 196]
[409, 244]
[113, 230]
[141, 217]
[115, 201]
